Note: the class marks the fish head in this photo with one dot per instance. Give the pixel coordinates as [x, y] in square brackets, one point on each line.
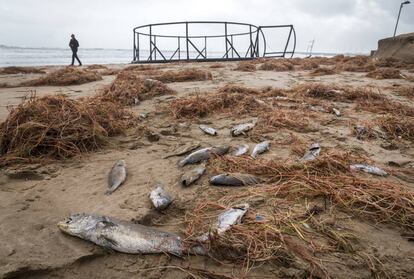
[79, 224]
[120, 163]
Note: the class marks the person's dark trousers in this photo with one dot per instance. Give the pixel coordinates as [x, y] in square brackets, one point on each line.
[75, 55]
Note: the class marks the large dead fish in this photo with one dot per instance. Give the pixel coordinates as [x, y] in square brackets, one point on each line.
[203, 155]
[312, 153]
[369, 169]
[208, 130]
[260, 148]
[235, 179]
[241, 129]
[227, 219]
[241, 150]
[116, 176]
[192, 176]
[160, 198]
[121, 236]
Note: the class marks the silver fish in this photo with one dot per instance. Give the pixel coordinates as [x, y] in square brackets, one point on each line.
[160, 198]
[192, 176]
[203, 155]
[260, 148]
[241, 150]
[312, 153]
[369, 169]
[241, 129]
[208, 130]
[116, 176]
[121, 236]
[235, 179]
[227, 219]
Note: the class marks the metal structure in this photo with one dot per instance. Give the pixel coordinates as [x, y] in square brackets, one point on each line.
[187, 46]
[399, 13]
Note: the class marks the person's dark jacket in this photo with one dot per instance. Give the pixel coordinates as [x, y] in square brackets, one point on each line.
[74, 44]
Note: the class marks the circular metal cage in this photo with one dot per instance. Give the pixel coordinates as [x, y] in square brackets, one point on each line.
[208, 41]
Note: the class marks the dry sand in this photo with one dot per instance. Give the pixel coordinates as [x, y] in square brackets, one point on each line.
[33, 201]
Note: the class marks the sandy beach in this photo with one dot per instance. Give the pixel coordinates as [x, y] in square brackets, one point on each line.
[35, 196]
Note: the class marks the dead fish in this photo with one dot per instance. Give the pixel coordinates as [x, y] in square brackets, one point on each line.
[143, 115]
[241, 129]
[260, 148]
[208, 130]
[227, 219]
[336, 112]
[241, 150]
[235, 179]
[116, 176]
[203, 155]
[160, 198]
[316, 108]
[121, 236]
[192, 176]
[312, 153]
[369, 169]
[182, 151]
[231, 217]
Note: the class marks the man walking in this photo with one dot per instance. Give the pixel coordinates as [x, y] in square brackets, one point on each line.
[74, 44]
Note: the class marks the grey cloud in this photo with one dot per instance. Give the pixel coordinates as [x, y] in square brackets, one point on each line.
[337, 26]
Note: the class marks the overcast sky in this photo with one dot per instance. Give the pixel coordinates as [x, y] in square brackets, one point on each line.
[336, 25]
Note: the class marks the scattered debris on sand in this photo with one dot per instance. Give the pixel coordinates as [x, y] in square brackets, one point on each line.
[50, 127]
[282, 232]
[129, 88]
[65, 76]
[191, 74]
[20, 70]
[246, 66]
[222, 102]
[294, 212]
[96, 67]
[322, 71]
[397, 127]
[277, 65]
[216, 66]
[385, 73]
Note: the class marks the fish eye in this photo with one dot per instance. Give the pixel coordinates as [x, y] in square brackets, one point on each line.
[69, 220]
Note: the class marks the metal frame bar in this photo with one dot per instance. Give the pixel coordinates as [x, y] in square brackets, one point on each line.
[256, 35]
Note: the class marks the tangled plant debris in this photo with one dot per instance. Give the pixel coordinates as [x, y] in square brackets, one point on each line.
[129, 88]
[191, 74]
[246, 66]
[20, 70]
[55, 127]
[65, 76]
[286, 229]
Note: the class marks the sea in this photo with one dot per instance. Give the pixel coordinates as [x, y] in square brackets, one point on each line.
[23, 56]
